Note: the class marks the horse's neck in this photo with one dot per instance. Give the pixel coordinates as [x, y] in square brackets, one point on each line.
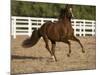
[65, 20]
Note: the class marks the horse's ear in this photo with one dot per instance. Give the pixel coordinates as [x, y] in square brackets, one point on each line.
[67, 6]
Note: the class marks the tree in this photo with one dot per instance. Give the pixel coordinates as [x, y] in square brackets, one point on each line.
[37, 9]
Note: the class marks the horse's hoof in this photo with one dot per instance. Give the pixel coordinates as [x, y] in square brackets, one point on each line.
[68, 55]
[83, 51]
[54, 59]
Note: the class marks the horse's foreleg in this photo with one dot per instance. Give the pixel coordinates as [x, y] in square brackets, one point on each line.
[53, 50]
[77, 40]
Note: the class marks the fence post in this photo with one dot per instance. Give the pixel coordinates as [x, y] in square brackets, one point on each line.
[37, 24]
[52, 20]
[42, 21]
[29, 27]
[74, 27]
[93, 32]
[14, 27]
[80, 33]
[84, 32]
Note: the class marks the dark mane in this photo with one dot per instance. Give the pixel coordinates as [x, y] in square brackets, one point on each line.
[62, 14]
[65, 13]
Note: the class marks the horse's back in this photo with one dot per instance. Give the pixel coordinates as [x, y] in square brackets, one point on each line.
[44, 27]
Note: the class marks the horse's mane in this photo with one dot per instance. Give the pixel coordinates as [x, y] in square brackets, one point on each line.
[62, 14]
[65, 13]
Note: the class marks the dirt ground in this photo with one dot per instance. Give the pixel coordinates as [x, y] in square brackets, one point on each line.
[37, 59]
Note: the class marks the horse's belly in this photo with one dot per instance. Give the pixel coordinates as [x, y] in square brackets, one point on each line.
[54, 37]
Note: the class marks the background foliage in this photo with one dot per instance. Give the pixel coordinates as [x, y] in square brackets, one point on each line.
[33, 9]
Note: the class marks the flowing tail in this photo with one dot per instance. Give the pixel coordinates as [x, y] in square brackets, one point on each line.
[32, 40]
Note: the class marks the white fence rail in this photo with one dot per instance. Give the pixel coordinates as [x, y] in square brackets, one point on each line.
[25, 25]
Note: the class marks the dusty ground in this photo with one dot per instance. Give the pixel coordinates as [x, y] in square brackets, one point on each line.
[37, 58]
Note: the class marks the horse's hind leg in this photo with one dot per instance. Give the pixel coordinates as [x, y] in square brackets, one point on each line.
[53, 50]
[77, 40]
[69, 44]
[46, 43]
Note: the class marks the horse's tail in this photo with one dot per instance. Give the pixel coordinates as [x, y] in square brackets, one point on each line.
[32, 40]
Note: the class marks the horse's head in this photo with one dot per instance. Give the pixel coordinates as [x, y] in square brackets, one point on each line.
[69, 11]
[66, 12]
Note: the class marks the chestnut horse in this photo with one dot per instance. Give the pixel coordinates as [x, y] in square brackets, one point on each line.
[60, 31]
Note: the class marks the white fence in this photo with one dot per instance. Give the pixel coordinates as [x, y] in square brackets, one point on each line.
[25, 25]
